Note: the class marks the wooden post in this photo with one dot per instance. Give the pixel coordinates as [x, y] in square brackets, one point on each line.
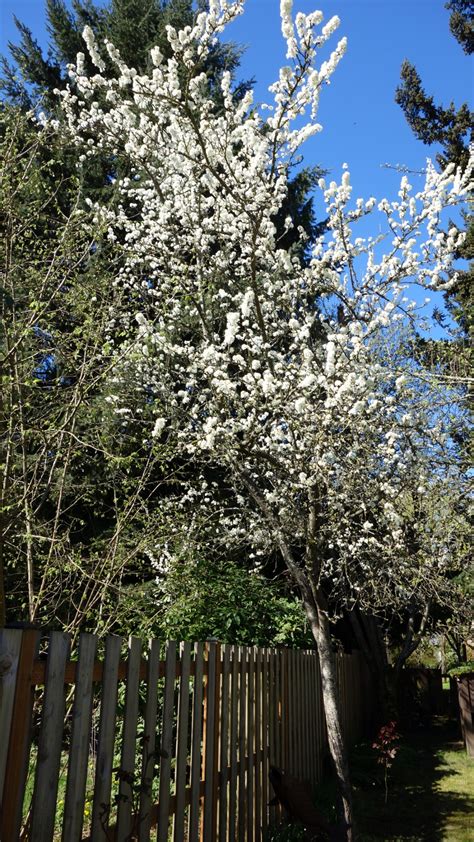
[182, 744]
[250, 743]
[166, 743]
[258, 745]
[212, 736]
[196, 763]
[234, 710]
[48, 760]
[20, 738]
[105, 749]
[225, 753]
[242, 743]
[129, 741]
[265, 710]
[80, 737]
[149, 740]
[10, 645]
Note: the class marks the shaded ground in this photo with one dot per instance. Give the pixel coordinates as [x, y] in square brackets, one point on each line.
[431, 790]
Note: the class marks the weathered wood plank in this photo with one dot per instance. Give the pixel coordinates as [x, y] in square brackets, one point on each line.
[250, 744]
[234, 710]
[105, 748]
[258, 822]
[212, 725]
[272, 722]
[311, 714]
[312, 727]
[182, 744]
[194, 812]
[224, 743]
[217, 724]
[149, 740]
[20, 739]
[48, 760]
[265, 709]
[80, 739]
[242, 743]
[166, 743]
[10, 645]
[286, 709]
[129, 742]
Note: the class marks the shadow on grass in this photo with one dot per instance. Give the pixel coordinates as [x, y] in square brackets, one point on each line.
[429, 790]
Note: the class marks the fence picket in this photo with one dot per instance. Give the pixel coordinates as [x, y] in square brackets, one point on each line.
[308, 717]
[210, 744]
[319, 718]
[196, 744]
[129, 742]
[258, 745]
[278, 708]
[250, 743]
[105, 750]
[149, 740]
[20, 738]
[313, 701]
[242, 742]
[224, 744]
[80, 737]
[10, 644]
[265, 708]
[261, 707]
[233, 744]
[182, 744]
[166, 743]
[50, 739]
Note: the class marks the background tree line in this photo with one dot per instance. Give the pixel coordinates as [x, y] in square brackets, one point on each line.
[91, 538]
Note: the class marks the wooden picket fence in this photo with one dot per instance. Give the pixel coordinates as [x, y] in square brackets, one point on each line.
[174, 742]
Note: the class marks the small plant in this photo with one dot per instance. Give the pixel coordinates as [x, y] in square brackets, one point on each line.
[386, 745]
[462, 669]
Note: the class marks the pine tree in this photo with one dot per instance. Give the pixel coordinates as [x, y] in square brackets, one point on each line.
[461, 23]
[133, 26]
[451, 129]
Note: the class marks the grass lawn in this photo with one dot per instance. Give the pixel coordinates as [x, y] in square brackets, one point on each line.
[431, 790]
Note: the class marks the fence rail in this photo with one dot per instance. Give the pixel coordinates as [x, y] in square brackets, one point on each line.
[174, 741]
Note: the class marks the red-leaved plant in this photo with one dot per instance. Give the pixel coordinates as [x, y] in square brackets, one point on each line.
[386, 745]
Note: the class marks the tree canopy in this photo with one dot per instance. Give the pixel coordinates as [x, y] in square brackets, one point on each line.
[293, 382]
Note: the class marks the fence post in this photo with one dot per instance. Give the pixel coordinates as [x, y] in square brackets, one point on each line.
[129, 740]
[166, 743]
[10, 644]
[20, 737]
[50, 740]
[105, 751]
[79, 751]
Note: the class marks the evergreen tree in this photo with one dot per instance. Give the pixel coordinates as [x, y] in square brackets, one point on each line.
[461, 23]
[451, 129]
[133, 26]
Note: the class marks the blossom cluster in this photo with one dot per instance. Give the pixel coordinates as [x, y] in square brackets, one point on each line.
[292, 378]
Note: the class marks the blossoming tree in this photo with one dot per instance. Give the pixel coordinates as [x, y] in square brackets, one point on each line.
[292, 381]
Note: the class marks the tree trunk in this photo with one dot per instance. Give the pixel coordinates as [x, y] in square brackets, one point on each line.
[315, 606]
[319, 622]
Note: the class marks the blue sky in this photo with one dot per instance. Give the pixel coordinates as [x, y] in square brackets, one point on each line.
[362, 125]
